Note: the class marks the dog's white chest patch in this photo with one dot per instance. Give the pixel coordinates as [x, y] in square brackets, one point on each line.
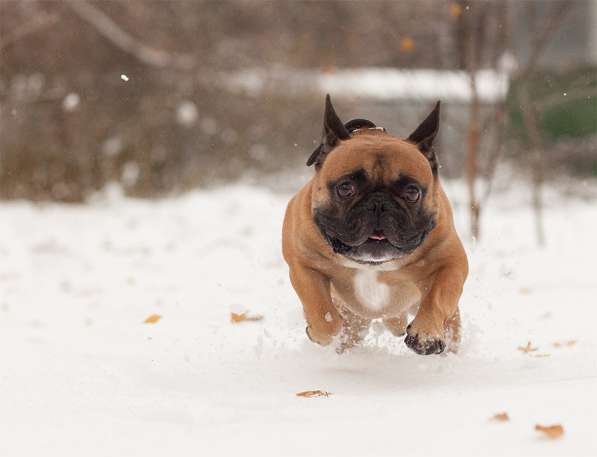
[370, 291]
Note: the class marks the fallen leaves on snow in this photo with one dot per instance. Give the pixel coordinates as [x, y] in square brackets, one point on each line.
[551, 431]
[501, 417]
[528, 348]
[313, 393]
[235, 318]
[561, 344]
[153, 319]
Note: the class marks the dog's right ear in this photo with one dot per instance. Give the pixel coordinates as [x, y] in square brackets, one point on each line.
[333, 132]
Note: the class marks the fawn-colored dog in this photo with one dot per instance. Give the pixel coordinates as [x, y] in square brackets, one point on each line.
[371, 236]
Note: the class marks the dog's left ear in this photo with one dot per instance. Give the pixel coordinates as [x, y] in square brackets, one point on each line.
[424, 135]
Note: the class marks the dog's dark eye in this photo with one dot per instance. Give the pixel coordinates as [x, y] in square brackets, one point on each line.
[346, 189]
[411, 193]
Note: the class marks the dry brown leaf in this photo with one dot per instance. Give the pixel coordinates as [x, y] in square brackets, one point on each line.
[313, 393]
[559, 344]
[525, 290]
[407, 44]
[235, 318]
[501, 417]
[528, 348]
[552, 431]
[455, 10]
[152, 319]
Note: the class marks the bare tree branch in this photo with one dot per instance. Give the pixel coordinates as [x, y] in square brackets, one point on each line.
[496, 150]
[37, 23]
[111, 31]
[559, 13]
[497, 118]
[530, 115]
[531, 123]
[539, 45]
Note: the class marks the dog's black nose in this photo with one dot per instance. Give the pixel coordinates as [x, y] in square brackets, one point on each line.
[377, 204]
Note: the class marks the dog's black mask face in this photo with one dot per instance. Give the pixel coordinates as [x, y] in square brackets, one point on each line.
[374, 223]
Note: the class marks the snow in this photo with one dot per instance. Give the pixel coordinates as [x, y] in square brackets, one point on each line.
[187, 113]
[71, 102]
[112, 146]
[389, 83]
[375, 83]
[83, 375]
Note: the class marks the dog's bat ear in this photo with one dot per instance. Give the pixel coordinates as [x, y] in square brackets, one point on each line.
[424, 135]
[333, 131]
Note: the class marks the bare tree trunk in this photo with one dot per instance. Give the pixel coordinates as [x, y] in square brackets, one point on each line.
[529, 110]
[496, 151]
[472, 153]
[478, 42]
[472, 159]
[497, 119]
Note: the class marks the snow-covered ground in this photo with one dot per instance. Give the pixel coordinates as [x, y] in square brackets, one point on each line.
[82, 374]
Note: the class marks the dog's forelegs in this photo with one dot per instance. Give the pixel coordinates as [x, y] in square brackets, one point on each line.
[436, 326]
[313, 289]
[396, 325]
[354, 329]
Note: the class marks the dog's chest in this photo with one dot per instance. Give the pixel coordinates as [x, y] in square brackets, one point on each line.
[370, 291]
[376, 295]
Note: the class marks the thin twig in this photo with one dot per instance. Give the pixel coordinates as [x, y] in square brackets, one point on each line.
[531, 124]
[497, 150]
[37, 23]
[559, 13]
[111, 31]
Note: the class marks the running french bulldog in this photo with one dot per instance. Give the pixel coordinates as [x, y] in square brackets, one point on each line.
[371, 236]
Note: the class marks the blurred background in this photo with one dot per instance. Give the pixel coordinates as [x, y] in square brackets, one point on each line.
[162, 97]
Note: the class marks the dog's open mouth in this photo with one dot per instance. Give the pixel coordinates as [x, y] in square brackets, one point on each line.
[376, 249]
[378, 235]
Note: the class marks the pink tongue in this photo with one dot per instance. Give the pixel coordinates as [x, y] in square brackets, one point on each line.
[378, 236]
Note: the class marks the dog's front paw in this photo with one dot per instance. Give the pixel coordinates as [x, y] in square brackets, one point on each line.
[424, 344]
[322, 336]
